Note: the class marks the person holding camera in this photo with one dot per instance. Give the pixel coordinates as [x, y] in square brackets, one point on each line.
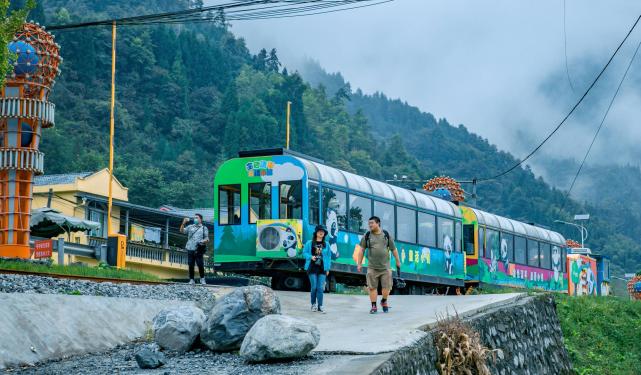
[197, 239]
[318, 260]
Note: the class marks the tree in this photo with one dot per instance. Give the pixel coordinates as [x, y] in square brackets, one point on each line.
[271, 63]
[11, 19]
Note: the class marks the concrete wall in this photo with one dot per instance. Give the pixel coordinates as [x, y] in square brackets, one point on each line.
[527, 331]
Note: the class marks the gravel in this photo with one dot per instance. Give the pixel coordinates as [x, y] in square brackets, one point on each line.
[121, 360]
[48, 285]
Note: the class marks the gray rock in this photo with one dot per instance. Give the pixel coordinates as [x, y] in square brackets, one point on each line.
[279, 337]
[232, 317]
[147, 358]
[177, 328]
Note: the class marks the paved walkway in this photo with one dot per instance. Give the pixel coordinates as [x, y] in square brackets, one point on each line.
[347, 326]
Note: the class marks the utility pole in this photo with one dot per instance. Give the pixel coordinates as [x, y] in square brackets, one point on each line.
[289, 105]
[111, 124]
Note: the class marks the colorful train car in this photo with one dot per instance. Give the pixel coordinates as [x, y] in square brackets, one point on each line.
[506, 252]
[267, 203]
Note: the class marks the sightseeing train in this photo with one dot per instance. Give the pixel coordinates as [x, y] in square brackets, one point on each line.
[267, 203]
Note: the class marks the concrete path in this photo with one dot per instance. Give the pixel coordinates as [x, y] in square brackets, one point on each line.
[347, 327]
[36, 327]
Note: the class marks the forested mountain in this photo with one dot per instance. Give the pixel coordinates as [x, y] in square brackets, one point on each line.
[190, 96]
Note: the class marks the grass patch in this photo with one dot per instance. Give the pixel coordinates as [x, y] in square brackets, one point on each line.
[602, 334]
[77, 270]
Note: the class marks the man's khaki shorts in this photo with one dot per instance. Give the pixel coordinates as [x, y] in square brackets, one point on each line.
[376, 277]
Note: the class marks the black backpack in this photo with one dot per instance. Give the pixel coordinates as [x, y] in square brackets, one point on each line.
[385, 233]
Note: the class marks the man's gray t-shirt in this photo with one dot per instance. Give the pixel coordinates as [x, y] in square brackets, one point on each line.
[195, 235]
[378, 256]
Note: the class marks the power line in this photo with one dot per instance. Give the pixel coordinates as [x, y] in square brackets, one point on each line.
[587, 91]
[235, 11]
[565, 49]
[596, 134]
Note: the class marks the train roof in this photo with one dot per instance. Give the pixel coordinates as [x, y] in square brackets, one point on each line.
[519, 228]
[320, 172]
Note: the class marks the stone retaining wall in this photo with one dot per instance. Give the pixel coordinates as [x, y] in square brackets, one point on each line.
[526, 330]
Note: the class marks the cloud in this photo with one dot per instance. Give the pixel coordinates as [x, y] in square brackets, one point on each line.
[496, 66]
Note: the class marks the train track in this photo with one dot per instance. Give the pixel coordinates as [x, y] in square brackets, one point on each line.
[87, 278]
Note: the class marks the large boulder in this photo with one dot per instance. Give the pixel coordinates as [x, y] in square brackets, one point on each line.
[177, 327]
[279, 337]
[232, 316]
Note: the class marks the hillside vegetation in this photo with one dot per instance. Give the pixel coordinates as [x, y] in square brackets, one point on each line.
[188, 97]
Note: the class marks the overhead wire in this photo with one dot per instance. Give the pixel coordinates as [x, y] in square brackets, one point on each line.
[598, 130]
[587, 91]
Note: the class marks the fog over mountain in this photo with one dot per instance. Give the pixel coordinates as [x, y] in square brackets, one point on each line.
[498, 67]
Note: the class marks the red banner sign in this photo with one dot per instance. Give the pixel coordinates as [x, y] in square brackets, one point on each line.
[43, 249]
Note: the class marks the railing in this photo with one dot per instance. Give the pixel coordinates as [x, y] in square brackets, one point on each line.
[28, 108]
[171, 257]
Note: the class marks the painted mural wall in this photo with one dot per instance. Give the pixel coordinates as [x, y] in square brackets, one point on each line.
[582, 280]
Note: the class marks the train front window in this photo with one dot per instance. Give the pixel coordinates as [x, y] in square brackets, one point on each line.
[260, 201]
[229, 204]
[468, 239]
[313, 203]
[291, 200]
[360, 210]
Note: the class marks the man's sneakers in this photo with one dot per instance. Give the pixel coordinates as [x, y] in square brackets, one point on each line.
[203, 281]
[385, 306]
[314, 308]
[373, 310]
[192, 282]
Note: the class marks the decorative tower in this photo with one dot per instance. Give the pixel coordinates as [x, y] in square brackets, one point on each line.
[24, 112]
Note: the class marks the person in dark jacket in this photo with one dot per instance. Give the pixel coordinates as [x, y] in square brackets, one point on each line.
[318, 260]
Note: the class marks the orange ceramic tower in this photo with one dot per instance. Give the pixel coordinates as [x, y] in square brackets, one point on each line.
[24, 112]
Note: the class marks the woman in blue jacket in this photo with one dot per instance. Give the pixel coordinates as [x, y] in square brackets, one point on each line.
[318, 260]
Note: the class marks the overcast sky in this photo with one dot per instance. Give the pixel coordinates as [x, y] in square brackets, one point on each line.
[497, 67]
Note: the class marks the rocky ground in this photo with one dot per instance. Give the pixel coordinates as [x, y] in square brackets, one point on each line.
[48, 285]
[122, 360]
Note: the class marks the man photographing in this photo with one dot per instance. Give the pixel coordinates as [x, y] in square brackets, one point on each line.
[378, 243]
[197, 239]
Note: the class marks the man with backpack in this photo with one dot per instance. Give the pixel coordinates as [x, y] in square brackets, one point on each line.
[378, 243]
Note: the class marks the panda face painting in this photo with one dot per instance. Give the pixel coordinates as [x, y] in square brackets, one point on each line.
[504, 254]
[447, 246]
[331, 220]
[289, 242]
[556, 262]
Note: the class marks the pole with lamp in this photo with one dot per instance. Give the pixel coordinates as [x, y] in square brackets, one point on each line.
[582, 229]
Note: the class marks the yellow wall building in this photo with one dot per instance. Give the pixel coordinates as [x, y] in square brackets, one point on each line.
[84, 195]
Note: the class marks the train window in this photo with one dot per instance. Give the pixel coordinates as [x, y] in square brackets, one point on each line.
[445, 233]
[360, 210]
[335, 206]
[313, 202]
[426, 229]
[507, 247]
[532, 253]
[291, 200]
[386, 213]
[260, 201]
[482, 242]
[545, 256]
[492, 244]
[406, 224]
[564, 254]
[520, 250]
[457, 228]
[468, 239]
[229, 204]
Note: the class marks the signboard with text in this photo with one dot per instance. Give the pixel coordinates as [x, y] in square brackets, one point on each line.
[42, 249]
